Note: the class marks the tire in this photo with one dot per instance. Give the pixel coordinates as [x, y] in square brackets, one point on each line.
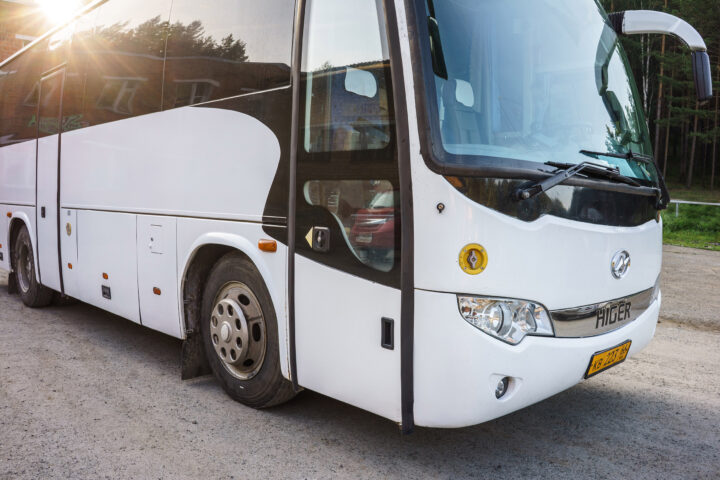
[32, 293]
[242, 346]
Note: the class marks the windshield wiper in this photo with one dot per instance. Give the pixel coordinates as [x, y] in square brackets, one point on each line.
[627, 156]
[663, 196]
[567, 170]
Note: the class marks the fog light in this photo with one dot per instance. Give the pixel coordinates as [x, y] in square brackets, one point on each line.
[501, 387]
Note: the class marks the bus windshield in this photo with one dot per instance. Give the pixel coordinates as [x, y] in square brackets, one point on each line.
[533, 81]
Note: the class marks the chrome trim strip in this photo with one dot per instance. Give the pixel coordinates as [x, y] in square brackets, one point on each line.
[591, 320]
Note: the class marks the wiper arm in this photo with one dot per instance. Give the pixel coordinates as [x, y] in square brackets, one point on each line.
[568, 170]
[627, 156]
[663, 196]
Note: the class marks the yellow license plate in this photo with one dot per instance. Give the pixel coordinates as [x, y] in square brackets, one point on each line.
[601, 361]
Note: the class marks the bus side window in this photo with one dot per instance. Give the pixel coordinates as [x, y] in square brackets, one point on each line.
[223, 48]
[126, 52]
[19, 98]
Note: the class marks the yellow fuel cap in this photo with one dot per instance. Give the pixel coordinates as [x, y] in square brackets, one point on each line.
[473, 259]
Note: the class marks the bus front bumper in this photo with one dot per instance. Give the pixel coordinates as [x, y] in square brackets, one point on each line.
[457, 366]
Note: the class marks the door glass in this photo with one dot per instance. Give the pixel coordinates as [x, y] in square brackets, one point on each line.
[347, 162]
[345, 64]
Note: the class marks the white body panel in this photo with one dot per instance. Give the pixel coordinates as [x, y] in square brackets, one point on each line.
[648, 21]
[157, 269]
[107, 245]
[559, 263]
[197, 162]
[17, 174]
[69, 249]
[338, 319]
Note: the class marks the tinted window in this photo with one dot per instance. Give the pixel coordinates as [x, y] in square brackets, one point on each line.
[222, 48]
[20, 92]
[125, 60]
[78, 58]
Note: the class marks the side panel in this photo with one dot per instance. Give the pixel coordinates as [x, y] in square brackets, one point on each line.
[167, 159]
[68, 251]
[17, 174]
[157, 274]
[338, 324]
[107, 246]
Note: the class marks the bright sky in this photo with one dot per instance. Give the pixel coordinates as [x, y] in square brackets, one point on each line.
[59, 11]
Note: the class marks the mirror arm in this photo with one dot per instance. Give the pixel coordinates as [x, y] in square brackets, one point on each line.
[636, 22]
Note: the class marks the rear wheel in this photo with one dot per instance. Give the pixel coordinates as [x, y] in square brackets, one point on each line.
[32, 293]
[239, 330]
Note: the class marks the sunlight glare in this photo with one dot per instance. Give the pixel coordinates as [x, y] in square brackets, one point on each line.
[59, 11]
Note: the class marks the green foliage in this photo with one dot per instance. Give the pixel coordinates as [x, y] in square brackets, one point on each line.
[696, 226]
[183, 40]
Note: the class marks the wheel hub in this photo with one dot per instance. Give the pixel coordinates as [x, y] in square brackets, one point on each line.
[237, 330]
[25, 268]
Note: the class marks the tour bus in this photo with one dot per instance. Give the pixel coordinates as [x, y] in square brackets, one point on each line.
[439, 211]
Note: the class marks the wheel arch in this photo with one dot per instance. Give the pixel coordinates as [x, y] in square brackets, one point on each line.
[17, 221]
[196, 267]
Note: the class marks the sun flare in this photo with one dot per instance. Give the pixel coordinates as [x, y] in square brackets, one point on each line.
[59, 11]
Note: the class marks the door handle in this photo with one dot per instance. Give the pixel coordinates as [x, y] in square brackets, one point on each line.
[320, 239]
[42, 212]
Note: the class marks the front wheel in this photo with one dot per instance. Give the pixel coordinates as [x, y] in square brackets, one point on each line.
[33, 294]
[239, 330]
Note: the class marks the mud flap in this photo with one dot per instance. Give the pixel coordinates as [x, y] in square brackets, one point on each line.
[12, 283]
[193, 362]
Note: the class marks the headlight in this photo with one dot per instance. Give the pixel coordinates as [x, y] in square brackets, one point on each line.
[506, 319]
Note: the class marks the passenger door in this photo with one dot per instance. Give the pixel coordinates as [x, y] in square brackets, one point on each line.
[49, 120]
[347, 262]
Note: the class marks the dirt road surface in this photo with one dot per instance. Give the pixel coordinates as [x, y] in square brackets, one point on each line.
[84, 394]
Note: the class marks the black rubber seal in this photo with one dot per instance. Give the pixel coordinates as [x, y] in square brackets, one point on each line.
[292, 191]
[407, 255]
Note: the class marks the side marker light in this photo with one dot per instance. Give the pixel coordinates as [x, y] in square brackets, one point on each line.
[267, 245]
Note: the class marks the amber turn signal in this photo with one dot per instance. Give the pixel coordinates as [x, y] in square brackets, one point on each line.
[156, 291]
[267, 245]
[105, 276]
[9, 214]
[70, 266]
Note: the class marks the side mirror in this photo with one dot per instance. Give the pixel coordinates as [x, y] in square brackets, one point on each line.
[703, 76]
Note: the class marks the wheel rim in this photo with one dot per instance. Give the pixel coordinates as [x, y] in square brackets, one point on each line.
[237, 330]
[25, 268]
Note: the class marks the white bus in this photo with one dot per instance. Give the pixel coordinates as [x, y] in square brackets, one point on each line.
[440, 211]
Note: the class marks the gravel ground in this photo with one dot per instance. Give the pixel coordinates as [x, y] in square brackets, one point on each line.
[84, 394]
